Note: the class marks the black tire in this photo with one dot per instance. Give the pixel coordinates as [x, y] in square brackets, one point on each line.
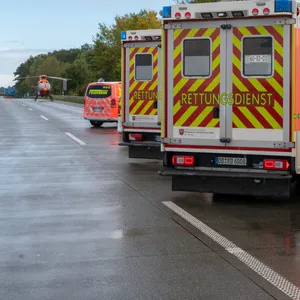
[96, 123]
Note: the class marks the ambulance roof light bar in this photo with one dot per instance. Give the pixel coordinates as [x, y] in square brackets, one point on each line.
[237, 9]
[141, 35]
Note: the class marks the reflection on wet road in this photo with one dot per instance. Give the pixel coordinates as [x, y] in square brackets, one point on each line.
[80, 220]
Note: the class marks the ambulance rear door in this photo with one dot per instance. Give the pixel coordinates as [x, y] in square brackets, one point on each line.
[258, 83]
[142, 84]
[196, 78]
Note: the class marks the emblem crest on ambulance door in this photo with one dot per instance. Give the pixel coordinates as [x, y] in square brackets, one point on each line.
[181, 131]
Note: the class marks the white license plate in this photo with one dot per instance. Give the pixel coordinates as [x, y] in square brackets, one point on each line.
[231, 161]
[97, 109]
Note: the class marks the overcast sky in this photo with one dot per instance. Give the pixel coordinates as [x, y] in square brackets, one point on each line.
[32, 27]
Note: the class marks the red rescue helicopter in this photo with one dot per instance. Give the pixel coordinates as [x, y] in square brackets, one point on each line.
[43, 88]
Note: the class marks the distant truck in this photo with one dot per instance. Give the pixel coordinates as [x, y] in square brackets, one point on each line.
[140, 114]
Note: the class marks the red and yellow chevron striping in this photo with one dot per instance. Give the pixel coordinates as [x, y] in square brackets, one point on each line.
[269, 116]
[143, 94]
[187, 90]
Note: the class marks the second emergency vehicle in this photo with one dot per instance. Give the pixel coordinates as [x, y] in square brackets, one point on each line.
[140, 116]
[230, 101]
[102, 102]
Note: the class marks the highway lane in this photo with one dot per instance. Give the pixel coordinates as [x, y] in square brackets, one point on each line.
[82, 221]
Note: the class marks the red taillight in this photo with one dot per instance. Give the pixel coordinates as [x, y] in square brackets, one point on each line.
[254, 11]
[188, 15]
[178, 15]
[135, 137]
[113, 103]
[130, 38]
[266, 11]
[178, 160]
[276, 164]
[136, 37]
[119, 110]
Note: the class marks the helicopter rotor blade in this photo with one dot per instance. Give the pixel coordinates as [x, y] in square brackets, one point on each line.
[58, 78]
[26, 77]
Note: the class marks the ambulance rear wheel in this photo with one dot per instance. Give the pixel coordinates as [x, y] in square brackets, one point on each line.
[96, 123]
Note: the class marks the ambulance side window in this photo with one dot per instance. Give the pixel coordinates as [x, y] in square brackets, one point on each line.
[143, 67]
[196, 57]
[258, 56]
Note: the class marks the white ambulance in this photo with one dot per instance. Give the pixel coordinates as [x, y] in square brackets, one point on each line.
[140, 116]
[230, 97]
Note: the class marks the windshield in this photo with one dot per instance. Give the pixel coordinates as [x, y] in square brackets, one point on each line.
[99, 91]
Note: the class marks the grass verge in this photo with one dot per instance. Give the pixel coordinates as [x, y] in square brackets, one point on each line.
[69, 99]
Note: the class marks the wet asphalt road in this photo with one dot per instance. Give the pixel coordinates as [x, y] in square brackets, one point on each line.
[85, 222]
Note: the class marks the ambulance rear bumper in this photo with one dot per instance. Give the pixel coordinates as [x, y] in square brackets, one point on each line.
[113, 120]
[140, 144]
[235, 183]
[143, 149]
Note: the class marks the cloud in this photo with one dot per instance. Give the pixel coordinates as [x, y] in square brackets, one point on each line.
[11, 58]
[14, 42]
[6, 80]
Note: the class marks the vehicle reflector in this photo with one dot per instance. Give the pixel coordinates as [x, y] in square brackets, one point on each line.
[276, 164]
[178, 160]
[177, 15]
[254, 11]
[188, 15]
[266, 11]
[113, 103]
[135, 137]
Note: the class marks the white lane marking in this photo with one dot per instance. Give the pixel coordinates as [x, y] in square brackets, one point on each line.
[30, 108]
[274, 278]
[44, 118]
[75, 138]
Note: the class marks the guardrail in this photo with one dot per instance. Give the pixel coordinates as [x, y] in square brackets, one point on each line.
[69, 97]
[66, 98]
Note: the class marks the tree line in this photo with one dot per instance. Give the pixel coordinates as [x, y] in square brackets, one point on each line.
[88, 63]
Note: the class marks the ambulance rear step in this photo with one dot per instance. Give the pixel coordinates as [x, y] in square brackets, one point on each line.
[233, 183]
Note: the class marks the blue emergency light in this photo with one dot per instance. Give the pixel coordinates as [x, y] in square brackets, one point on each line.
[166, 12]
[283, 6]
[123, 35]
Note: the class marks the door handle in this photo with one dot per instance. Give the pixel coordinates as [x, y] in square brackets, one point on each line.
[225, 140]
[216, 112]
